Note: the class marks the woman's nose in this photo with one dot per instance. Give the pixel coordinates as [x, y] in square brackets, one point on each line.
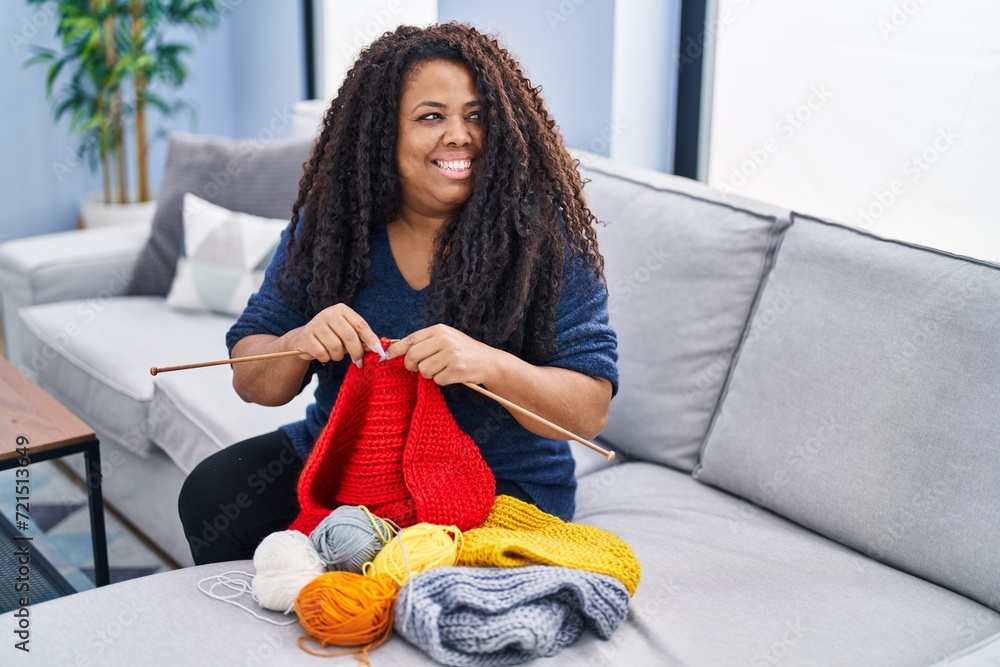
[457, 133]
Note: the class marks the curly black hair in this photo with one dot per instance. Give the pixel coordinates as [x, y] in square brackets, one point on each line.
[498, 282]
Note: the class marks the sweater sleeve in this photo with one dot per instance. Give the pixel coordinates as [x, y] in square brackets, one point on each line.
[269, 310]
[586, 343]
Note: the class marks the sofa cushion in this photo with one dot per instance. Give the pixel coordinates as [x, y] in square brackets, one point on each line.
[248, 176]
[95, 356]
[864, 404]
[984, 654]
[724, 583]
[225, 254]
[74, 264]
[683, 265]
[196, 413]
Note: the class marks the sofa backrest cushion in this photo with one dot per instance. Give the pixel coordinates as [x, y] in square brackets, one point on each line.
[867, 405]
[248, 176]
[683, 264]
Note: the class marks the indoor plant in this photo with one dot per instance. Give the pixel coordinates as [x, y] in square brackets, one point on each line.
[113, 61]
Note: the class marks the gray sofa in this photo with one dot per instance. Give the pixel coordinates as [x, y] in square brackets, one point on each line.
[806, 430]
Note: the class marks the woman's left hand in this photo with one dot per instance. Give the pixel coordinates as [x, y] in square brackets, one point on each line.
[573, 400]
[447, 356]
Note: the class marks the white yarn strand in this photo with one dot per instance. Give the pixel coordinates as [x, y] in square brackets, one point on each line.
[239, 587]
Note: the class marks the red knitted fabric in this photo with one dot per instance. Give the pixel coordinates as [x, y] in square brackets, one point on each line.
[392, 445]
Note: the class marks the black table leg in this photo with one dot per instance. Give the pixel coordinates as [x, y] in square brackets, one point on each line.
[92, 462]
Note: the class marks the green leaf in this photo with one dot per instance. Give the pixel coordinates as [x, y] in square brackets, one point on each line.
[42, 56]
[78, 74]
[53, 74]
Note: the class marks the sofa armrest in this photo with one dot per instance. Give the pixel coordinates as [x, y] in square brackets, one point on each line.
[77, 264]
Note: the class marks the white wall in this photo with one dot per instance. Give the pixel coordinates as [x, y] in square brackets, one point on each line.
[268, 64]
[881, 114]
[607, 67]
[345, 27]
[564, 46]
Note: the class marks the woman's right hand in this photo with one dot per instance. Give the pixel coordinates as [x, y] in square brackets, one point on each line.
[333, 333]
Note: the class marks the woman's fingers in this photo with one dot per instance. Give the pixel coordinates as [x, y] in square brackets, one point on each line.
[416, 347]
[349, 339]
[440, 335]
[366, 337]
[445, 355]
[439, 352]
[330, 345]
[401, 346]
[427, 357]
[305, 340]
[338, 331]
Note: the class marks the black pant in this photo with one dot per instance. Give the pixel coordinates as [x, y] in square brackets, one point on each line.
[236, 497]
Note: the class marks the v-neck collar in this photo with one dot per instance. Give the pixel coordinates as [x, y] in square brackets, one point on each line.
[394, 267]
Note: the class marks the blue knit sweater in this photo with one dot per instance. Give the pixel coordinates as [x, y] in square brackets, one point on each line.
[542, 467]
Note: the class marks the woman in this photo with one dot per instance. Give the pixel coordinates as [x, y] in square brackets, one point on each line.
[441, 208]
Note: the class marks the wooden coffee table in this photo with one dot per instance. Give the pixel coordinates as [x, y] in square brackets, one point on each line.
[34, 427]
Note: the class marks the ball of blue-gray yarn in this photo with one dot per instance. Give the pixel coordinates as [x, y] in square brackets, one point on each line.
[346, 539]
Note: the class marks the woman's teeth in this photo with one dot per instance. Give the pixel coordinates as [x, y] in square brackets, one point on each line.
[455, 165]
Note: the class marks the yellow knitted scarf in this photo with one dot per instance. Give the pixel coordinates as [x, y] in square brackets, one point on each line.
[516, 533]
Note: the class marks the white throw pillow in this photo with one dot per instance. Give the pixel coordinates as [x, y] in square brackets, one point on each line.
[225, 255]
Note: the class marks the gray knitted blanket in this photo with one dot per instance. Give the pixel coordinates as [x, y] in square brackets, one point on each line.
[486, 616]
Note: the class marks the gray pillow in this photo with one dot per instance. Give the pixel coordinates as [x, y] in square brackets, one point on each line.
[863, 404]
[252, 177]
[684, 264]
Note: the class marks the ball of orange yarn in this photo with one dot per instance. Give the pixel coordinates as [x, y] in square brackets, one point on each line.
[347, 609]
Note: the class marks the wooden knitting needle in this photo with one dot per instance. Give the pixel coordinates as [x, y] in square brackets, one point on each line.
[609, 455]
[254, 357]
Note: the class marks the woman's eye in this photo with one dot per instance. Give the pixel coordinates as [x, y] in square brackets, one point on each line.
[475, 115]
[430, 116]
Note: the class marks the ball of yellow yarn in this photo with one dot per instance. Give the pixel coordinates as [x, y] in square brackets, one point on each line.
[347, 609]
[420, 547]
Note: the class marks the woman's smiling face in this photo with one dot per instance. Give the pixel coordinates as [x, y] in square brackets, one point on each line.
[440, 137]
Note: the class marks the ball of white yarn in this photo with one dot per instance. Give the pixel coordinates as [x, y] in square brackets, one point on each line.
[287, 551]
[284, 563]
[278, 591]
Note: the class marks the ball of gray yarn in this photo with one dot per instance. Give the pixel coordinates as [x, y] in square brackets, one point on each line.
[346, 539]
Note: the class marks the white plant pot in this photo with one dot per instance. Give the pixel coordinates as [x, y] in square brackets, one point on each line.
[96, 213]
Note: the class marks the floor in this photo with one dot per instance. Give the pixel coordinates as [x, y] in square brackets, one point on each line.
[60, 527]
